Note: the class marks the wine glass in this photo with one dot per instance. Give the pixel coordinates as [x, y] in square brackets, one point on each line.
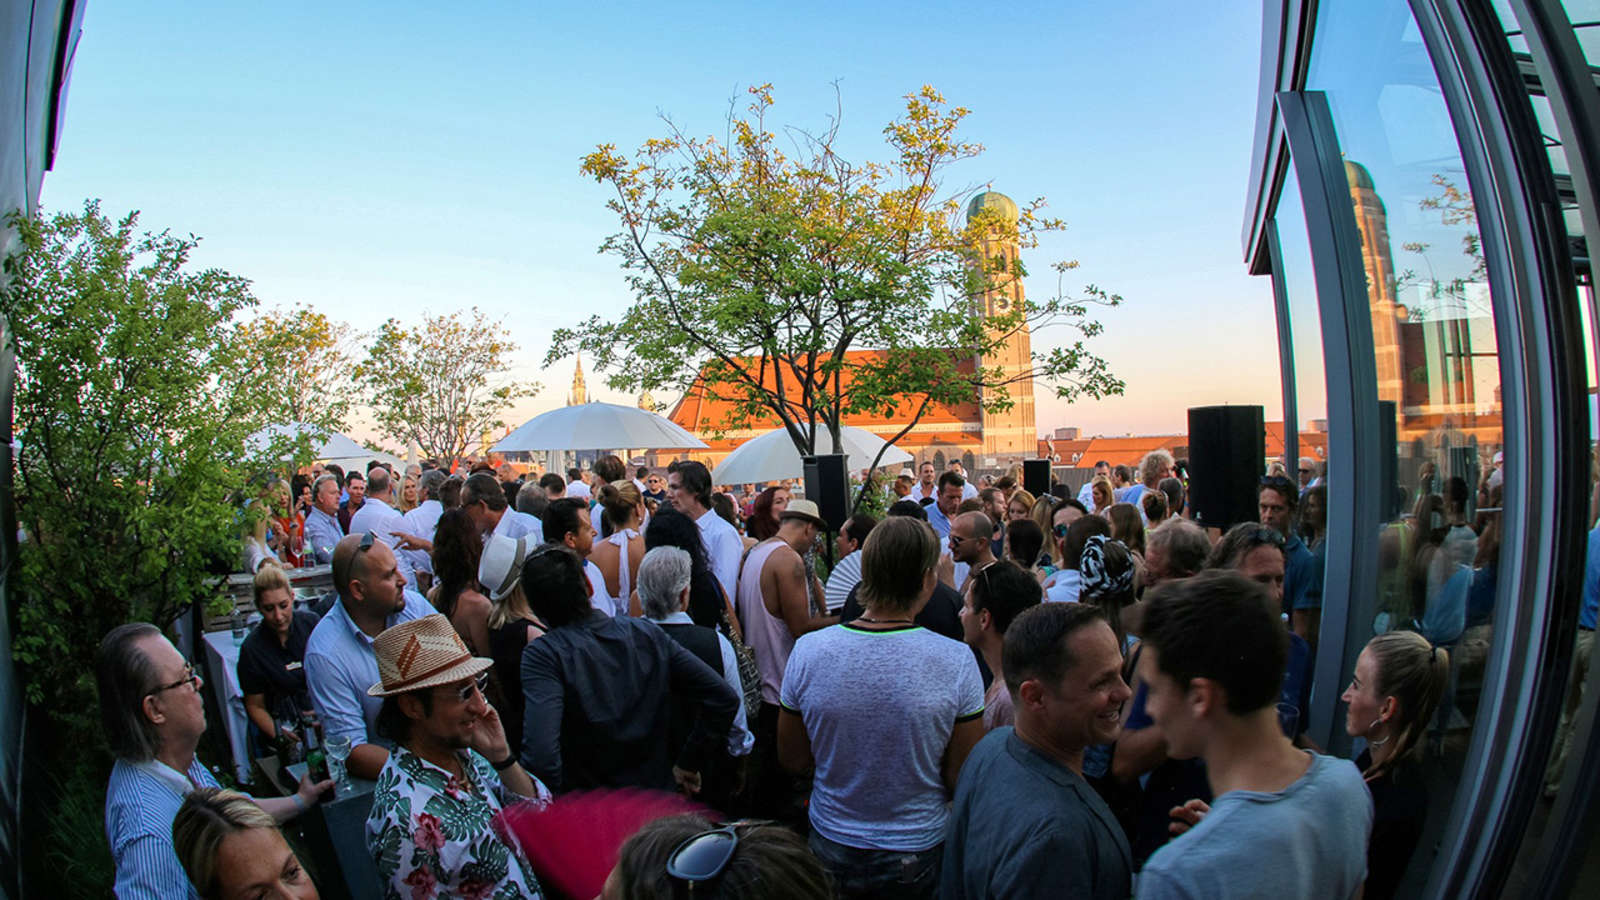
[338, 749]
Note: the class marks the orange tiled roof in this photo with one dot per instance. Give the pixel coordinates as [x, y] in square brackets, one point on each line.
[703, 413]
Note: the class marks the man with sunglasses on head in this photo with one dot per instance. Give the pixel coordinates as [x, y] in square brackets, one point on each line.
[339, 661]
[451, 772]
[153, 715]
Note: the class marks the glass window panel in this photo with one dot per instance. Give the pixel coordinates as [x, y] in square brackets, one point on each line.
[1438, 378]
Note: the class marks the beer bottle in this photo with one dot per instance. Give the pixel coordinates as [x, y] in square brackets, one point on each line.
[316, 752]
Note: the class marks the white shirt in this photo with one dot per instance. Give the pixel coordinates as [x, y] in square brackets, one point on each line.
[723, 549]
[599, 599]
[421, 522]
[740, 740]
[1063, 586]
[578, 489]
[518, 524]
[382, 519]
[920, 491]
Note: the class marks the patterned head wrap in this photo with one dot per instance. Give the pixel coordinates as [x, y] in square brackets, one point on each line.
[1105, 573]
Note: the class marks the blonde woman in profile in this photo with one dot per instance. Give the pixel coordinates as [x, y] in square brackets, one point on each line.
[230, 849]
[1100, 489]
[1399, 680]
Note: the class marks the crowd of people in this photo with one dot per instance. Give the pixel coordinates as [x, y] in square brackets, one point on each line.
[983, 693]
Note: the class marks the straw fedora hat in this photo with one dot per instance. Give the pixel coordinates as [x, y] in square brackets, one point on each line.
[422, 653]
[804, 509]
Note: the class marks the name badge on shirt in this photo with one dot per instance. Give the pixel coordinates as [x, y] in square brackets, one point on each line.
[290, 667]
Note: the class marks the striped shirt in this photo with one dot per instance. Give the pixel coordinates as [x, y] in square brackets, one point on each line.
[141, 801]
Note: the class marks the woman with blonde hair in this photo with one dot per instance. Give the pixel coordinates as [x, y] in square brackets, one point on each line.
[229, 847]
[1043, 515]
[1399, 680]
[1102, 494]
[1019, 506]
[511, 625]
[408, 494]
[617, 557]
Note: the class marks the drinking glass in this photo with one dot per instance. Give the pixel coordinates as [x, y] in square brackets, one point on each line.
[338, 748]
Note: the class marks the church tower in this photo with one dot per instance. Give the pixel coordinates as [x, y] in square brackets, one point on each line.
[1012, 434]
[1377, 257]
[579, 393]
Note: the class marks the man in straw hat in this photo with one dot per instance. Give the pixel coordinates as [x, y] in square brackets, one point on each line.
[775, 610]
[451, 771]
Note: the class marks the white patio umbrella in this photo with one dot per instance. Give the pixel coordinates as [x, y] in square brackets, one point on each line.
[598, 426]
[335, 447]
[772, 456]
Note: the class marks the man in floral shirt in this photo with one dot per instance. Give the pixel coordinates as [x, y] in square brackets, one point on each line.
[450, 773]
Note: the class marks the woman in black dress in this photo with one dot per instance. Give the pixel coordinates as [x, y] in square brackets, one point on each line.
[512, 625]
[1398, 682]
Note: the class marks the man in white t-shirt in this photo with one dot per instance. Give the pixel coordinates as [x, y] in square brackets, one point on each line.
[576, 486]
[1102, 469]
[846, 572]
[968, 489]
[926, 487]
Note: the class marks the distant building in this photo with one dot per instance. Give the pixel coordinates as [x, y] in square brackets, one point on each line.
[963, 432]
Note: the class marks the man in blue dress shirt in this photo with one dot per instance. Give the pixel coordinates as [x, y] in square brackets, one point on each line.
[322, 522]
[153, 715]
[340, 663]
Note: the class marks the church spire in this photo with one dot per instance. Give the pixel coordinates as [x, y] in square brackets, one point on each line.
[579, 394]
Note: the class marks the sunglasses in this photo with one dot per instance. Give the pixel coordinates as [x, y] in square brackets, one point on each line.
[704, 857]
[190, 676]
[478, 684]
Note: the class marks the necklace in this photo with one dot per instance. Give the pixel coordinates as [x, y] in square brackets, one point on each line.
[885, 621]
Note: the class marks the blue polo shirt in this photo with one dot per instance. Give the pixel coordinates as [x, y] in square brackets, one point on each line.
[1302, 577]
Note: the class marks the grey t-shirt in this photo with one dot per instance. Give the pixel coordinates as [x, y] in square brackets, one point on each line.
[1307, 840]
[879, 708]
[1024, 825]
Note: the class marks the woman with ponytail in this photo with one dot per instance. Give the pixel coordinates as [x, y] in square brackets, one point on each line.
[617, 557]
[1399, 680]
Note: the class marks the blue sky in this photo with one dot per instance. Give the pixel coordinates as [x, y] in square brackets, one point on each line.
[378, 160]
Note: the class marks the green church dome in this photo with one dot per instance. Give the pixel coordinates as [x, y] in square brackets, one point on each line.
[996, 201]
[1357, 175]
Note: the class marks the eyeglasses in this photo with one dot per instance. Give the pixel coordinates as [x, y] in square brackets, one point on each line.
[704, 857]
[190, 676]
[479, 683]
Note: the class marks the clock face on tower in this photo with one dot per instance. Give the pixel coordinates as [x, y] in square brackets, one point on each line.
[1001, 304]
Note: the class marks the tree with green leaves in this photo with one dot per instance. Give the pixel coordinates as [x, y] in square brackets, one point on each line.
[306, 360]
[134, 403]
[443, 384]
[763, 273]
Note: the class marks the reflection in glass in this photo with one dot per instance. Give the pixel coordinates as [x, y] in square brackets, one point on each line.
[1437, 369]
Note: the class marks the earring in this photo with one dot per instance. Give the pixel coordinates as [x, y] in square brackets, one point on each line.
[1372, 743]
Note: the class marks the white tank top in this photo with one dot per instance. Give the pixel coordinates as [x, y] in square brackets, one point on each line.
[765, 634]
[624, 587]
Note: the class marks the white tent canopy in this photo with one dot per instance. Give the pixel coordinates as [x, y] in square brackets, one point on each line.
[327, 446]
[598, 426]
[772, 456]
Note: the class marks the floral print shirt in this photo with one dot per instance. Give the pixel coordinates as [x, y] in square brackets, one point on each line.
[430, 834]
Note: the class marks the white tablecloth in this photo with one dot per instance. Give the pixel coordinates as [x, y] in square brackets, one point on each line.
[222, 660]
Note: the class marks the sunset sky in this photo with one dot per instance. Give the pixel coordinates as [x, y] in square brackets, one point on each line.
[378, 160]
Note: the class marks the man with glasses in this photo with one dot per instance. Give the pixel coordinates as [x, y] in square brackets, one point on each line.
[339, 662]
[970, 549]
[451, 772]
[153, 715]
